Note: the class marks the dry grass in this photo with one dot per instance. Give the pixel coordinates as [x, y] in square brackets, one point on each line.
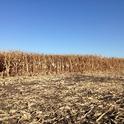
[19, 63]
[62, 99]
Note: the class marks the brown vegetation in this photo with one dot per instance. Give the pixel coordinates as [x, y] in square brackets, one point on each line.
[20, 63]
[80, 92]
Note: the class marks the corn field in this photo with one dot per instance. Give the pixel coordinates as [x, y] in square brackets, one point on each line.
[16, 63]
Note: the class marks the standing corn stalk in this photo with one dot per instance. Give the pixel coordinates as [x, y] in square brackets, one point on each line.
[7, 62]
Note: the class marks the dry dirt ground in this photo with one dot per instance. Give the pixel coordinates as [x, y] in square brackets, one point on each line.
[63, 99]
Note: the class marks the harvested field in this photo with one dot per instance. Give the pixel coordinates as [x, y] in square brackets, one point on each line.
[62, 99]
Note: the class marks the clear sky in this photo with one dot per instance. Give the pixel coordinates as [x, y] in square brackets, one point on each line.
[63, 26]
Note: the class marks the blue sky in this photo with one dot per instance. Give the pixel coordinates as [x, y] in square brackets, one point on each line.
[63, 26]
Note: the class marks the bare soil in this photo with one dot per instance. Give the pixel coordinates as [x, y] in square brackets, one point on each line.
[62, 99]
